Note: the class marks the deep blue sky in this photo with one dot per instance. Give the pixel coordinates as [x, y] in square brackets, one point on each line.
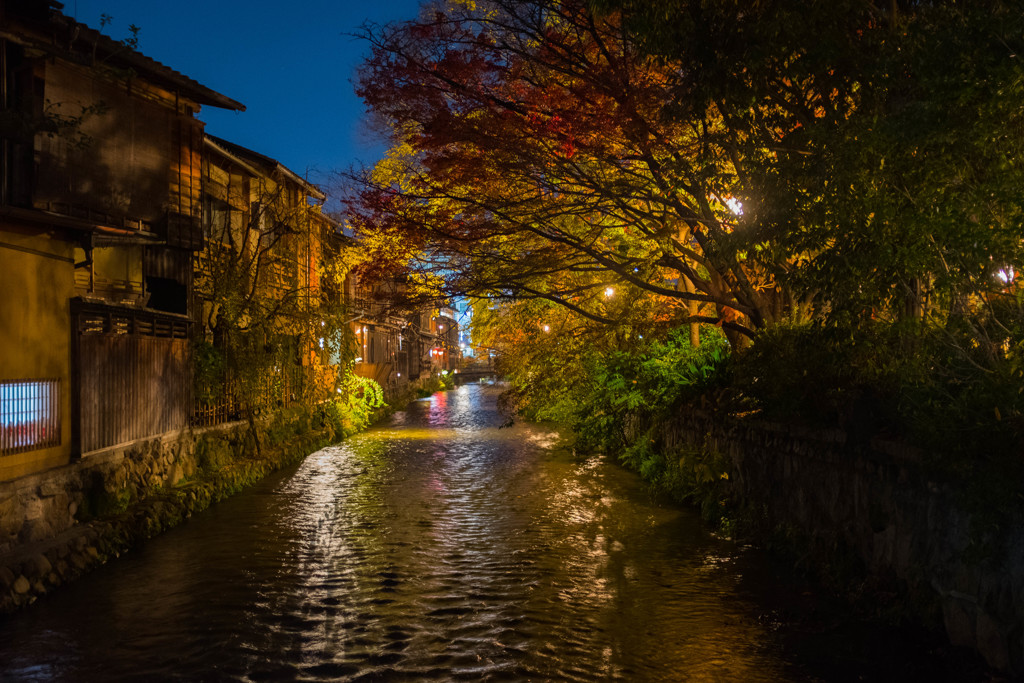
[289, 63]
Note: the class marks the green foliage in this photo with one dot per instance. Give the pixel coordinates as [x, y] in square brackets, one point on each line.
[360, 398]
[932, 386]
[691, 475]
[875, 147]
[640, 385]
[821, 375]
[209, 370]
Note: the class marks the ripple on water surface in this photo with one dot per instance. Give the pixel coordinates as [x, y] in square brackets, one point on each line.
[435, 547]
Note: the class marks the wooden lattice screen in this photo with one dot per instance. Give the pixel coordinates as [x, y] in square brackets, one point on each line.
[29, 415]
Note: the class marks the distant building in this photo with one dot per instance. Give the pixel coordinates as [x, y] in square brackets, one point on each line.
[447, 354]
[395, 339]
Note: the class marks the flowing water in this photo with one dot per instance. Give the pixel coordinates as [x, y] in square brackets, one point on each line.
[440, 546]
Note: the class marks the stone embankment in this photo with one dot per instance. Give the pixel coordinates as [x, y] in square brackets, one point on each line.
[879, 515]
[59, 524]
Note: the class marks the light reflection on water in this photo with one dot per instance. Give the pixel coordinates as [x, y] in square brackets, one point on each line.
[436, 547]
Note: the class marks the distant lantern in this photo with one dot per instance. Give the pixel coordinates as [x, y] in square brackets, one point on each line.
[609, 291]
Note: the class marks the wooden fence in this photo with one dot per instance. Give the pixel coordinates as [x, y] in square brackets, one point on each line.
[131, 374]
[227, 401]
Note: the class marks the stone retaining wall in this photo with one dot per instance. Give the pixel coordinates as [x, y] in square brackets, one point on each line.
[58, 524]
[878, 509]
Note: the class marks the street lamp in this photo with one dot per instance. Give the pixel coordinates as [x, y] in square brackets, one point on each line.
[609, 291]
[735, 205]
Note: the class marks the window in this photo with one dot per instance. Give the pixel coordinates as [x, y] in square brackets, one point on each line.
[29, 415]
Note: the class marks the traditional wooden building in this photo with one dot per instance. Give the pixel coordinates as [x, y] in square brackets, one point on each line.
[100, 208]
[268, 281]
[396, 339]
[447, 354]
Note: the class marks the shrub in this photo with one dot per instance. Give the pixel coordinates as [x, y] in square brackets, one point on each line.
[634, 387]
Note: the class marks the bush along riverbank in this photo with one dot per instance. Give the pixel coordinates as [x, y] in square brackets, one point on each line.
[826, 463]
[58, 525]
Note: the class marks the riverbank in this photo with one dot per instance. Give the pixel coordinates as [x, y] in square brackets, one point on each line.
[58, 525]
[442, 546]
[867, 520]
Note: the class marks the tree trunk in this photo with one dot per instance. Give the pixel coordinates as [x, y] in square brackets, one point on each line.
[692, 309]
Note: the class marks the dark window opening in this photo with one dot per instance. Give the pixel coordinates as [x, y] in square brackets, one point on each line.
[167, 295]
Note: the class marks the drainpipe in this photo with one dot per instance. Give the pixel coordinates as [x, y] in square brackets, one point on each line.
[5, 151]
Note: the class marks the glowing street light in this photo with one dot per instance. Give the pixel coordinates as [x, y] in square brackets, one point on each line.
[735, 205]
[609, 291]
[547, 328]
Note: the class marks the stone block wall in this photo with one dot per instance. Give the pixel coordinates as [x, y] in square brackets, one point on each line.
[59, 524]
[877, 508]
[39, 507]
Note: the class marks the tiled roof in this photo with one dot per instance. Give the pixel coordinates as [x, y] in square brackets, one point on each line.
[266, 162]
[72, 40]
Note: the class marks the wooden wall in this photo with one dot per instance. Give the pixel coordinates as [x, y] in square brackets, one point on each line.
[139, 164]
[131, 372]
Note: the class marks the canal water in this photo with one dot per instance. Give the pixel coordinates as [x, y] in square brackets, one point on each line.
[441, 546]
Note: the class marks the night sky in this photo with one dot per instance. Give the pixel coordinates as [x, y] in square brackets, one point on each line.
[290, 64]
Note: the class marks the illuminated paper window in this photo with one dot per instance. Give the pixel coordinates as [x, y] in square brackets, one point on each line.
[29, 415]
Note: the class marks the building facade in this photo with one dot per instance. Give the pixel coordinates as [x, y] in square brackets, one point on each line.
[100, 208]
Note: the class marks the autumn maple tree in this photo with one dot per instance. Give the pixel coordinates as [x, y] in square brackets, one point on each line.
[530, 140]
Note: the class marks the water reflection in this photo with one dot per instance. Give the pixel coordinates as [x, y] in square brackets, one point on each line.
[437, 547]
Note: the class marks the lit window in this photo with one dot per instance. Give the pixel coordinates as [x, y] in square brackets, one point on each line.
[29, 415]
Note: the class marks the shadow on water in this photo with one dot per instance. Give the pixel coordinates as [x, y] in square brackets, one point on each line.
[440, 546]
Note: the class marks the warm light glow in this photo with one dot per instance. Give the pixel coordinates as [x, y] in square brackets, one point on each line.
[609, 291]
[1006, 275]
[734, 205]
[547, 328]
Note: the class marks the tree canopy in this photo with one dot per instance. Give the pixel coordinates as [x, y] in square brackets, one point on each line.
[743, 164]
